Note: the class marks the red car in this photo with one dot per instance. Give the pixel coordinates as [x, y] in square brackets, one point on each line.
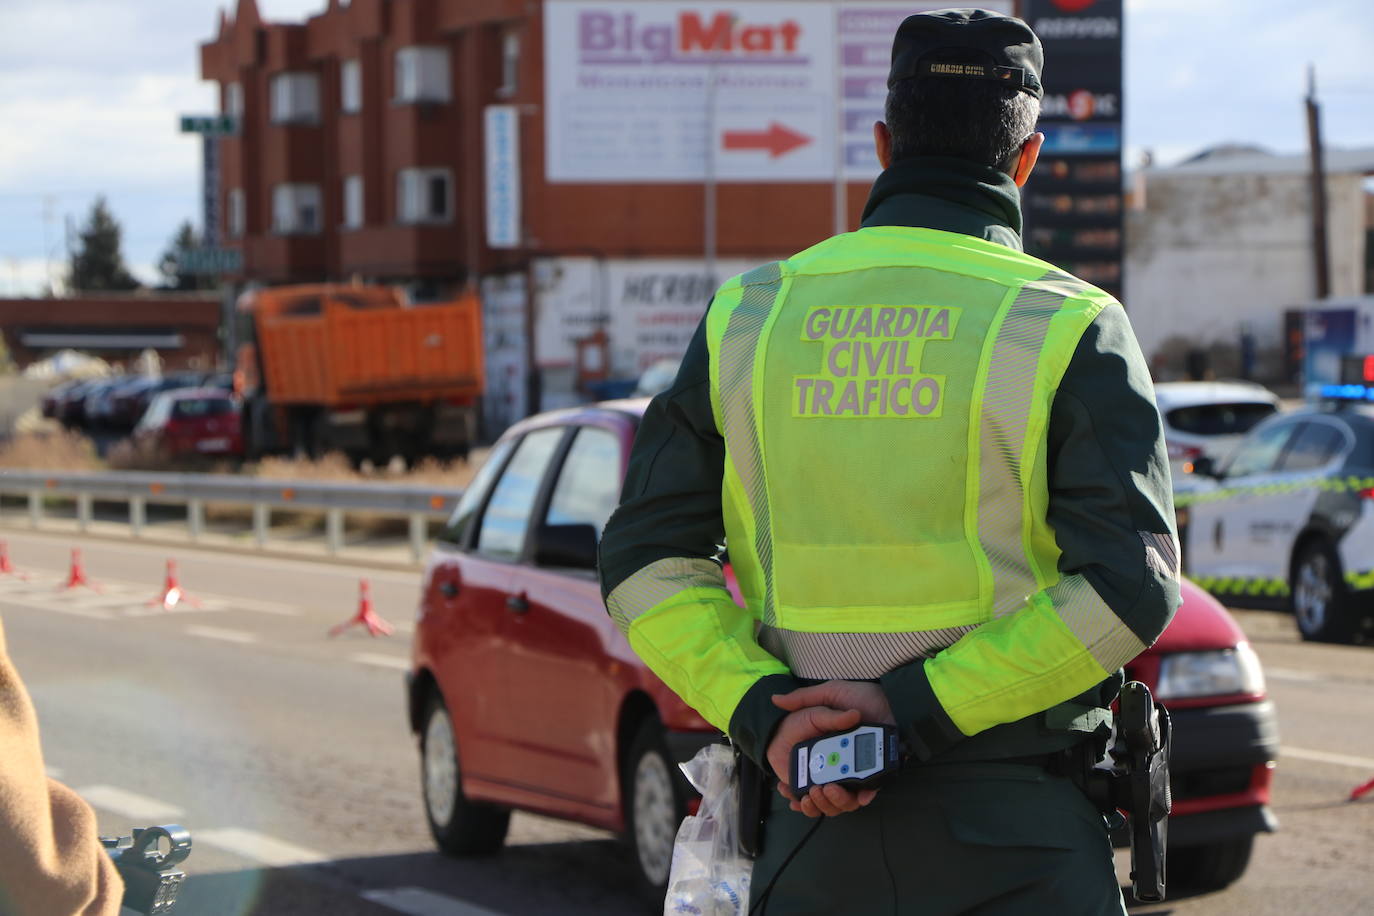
[524, 694]
[189, 422]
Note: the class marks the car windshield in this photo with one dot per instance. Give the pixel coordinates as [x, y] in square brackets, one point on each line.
[195, 408]
[1219, 419]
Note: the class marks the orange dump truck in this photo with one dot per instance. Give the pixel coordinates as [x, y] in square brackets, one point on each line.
[358, 369]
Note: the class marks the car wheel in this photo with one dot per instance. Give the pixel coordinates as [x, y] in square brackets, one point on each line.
[1321, 603]
[655, 803]
[1210, 868]
[460, 827]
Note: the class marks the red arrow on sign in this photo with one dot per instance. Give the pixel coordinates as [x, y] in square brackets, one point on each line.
[776, 140]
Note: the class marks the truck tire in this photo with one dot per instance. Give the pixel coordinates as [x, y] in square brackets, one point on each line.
[460, 827]
[1322, 605]
[1210, 868]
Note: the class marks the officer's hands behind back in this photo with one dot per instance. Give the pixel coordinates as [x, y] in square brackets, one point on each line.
[833, 706]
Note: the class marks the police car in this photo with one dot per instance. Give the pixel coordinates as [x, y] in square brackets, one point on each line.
[1288, 518]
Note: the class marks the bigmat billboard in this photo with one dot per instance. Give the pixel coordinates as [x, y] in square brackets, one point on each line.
[1074, 202]
[751, 91]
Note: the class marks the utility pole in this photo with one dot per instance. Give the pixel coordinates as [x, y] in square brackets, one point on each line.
[840, 195]
[1320, 258]
[709, 187]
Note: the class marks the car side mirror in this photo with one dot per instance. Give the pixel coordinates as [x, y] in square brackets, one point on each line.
[566, 546]
[1206, 466]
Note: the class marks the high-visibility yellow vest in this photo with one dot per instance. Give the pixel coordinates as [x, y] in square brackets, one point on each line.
[884, 398]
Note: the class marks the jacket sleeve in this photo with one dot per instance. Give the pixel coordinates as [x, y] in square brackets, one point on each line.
[1111, 509]
[659, 574]
[51, 862]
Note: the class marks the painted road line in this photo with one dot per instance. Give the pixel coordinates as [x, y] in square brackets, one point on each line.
[1292, 674]
[381, 661]
[259, 847]
[262, 607]
[237, 636]
[88, 613]
[1346, 760]
[129, 804]
[416, 901]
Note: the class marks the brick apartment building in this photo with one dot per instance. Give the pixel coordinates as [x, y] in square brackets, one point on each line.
[361, 154]
[543, 149]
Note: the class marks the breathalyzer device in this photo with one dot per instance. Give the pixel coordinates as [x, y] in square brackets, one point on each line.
[858, 757]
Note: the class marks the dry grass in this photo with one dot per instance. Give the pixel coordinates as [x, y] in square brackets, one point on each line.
[55, 450]
[62, 450]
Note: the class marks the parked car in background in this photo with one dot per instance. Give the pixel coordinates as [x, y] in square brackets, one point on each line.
[1288, 520]
[127, 402]
[51, 402]
[1207, 419]
[523, 693]
[71, 407]
[190, 422]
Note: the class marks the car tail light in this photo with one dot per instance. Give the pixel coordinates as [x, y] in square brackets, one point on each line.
[1183, 452]
[1367, 493]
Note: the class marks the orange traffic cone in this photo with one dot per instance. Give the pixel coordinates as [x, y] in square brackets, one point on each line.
[1362, 790]
[6, 568]
[366, 615]
[76, 577]
[172, 592]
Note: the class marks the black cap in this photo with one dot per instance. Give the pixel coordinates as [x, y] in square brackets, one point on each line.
[968, 44]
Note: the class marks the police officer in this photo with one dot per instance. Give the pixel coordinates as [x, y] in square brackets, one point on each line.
[938, 469]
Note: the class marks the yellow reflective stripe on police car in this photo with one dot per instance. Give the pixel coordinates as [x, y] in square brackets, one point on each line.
[1242, 585]
[1325, 484]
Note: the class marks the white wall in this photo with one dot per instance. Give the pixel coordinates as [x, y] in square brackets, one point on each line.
[1210, 253]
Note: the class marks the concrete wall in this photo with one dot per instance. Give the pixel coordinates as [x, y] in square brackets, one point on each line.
[1211, 254]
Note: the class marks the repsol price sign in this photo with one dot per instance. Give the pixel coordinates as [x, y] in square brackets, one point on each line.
[1073, 210]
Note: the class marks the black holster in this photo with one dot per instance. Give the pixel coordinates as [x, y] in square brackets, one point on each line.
[754, 786]
[1135, 780]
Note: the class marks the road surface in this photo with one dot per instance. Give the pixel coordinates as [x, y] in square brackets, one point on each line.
[287, 754]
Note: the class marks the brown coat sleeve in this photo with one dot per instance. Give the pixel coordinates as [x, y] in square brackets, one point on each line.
[51, 863]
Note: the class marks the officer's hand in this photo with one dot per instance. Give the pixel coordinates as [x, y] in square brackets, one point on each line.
[865, 696]
[803, 725]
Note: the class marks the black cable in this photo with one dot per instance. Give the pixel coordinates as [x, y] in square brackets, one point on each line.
[763, 898]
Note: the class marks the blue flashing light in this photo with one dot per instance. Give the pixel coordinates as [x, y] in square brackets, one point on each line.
[1348, 392]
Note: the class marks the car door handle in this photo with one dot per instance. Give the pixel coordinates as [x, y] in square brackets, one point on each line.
[517, 604]
[449, 589]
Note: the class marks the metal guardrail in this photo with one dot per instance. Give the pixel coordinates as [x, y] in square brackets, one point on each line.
[139, 488]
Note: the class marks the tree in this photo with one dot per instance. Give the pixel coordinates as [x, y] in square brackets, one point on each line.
[98, 263]
[173, 277]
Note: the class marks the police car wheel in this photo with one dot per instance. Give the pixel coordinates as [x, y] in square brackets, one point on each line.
[460, 827]
[1321, 603]
[655, 804]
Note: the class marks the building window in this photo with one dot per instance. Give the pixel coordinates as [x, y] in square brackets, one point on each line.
[422, 75]
[351, 86]
[296, 209]
[296, 98]
[510, 65]
[233, 100]
[424, 195]
[236, 215]
[353, 201]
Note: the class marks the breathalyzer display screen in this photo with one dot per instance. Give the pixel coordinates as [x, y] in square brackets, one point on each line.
[865, 751]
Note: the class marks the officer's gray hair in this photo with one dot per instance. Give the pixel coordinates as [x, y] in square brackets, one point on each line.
[978, 121]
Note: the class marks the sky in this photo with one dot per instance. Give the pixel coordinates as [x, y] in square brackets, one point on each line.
[90, 91]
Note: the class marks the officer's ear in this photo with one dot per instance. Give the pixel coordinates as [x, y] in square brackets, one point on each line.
[1025, 161]
[882, 142]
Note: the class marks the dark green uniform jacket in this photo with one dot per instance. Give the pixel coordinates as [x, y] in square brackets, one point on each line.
[1108, 481]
